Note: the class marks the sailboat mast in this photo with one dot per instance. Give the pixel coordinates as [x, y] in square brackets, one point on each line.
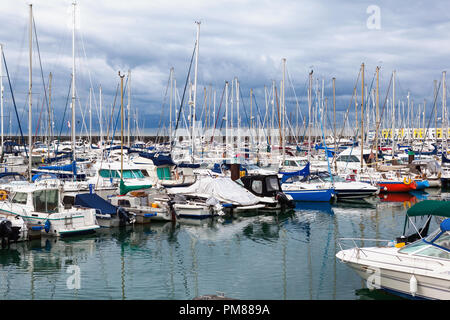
[50, 120]
[393, 112]
[128, 108]
[377, 121]
[334, 119]
[1, 92]
[283, 141]
[362, 115]
[444, 108]
[90, 117]
[101, 116]
[195, 88]
[309, 115]
[73, 85]
[170, 104]
[30, 142]
[226, 118]
[121, 126]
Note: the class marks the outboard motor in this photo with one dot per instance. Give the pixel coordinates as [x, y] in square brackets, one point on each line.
[284, 201]
[7, 233]
[123, 216]
[172, 210]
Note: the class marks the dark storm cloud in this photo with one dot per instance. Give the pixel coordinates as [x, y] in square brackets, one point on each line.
[237, 39]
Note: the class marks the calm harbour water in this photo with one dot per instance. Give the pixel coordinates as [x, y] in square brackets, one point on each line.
[289, 256]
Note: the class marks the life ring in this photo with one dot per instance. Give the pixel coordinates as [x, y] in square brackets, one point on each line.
[3, 195]
[407, 180]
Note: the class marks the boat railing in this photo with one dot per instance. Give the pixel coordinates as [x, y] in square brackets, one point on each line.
[365, 250]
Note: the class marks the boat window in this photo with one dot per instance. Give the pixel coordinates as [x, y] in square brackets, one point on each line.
[257, 186]
[444, 240]
[163, 173]
[413, 247]
[433, 251]
[20, 197]
[348, 158]
[145, 173]
[105, 173]
[45, 200]
[124, 203]
[7, 179]
[272, 184]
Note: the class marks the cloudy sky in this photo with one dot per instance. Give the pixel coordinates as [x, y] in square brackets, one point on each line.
[243, 39]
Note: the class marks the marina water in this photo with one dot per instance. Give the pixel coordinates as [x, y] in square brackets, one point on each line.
[278, 257]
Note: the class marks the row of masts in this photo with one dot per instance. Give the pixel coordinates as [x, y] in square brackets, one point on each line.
[278, 102]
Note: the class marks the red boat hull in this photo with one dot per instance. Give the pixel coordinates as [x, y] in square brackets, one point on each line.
[396, 186]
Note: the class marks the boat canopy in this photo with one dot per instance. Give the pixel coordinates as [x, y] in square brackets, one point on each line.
[304, 172]
[158, 159]
[430, 207]
[68, 167]
[124, 189]
[91, 200]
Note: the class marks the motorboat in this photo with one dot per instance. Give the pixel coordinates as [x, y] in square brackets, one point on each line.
[107, 215]
[268, 188]
[232, 196]
[41, 205]
[147, 205]
[296, 185]
[345, 189]
[415, 266]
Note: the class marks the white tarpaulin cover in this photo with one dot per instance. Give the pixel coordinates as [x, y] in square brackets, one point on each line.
[223, 188]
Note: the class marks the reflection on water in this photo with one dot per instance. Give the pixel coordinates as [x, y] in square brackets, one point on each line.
[267, 256]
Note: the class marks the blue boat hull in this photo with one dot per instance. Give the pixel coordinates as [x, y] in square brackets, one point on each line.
[421, 184]
[311, 195]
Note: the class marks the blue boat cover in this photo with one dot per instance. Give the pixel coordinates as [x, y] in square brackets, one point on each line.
[68, 167]
[37, 176]
[54, 159]
[92, 200]
[304, 172]
[4, 174]
[158, 159]
[189, 165]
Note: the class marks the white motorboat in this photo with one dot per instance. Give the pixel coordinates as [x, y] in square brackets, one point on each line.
[149, 205]
[420, 269]
[40, 205]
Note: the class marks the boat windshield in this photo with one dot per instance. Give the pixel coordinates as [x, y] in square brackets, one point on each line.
[423, 248]
[9, 178]
[272, 184]
[45, 200]
[348, 158]
[20, 197]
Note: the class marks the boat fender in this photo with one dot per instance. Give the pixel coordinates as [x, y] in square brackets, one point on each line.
[47, 226]
[3, 195]
[413, 285]
[407, 180]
